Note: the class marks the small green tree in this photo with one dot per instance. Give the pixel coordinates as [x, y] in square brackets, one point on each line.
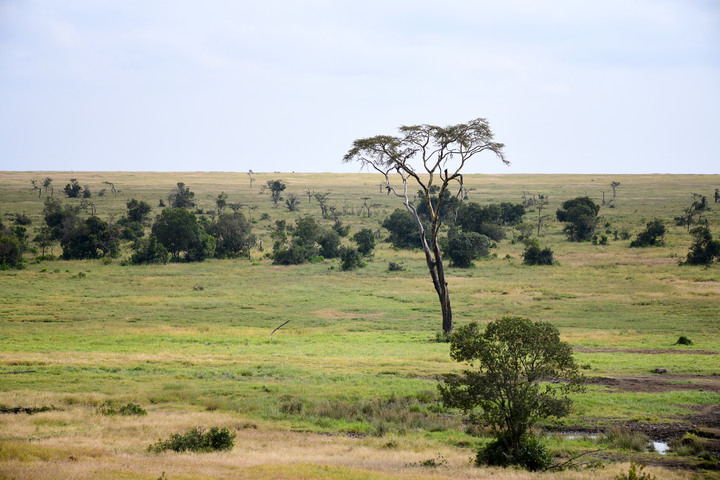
[72, 189]
[365, 240]
[221, 202]
[464, 247]
[10, 250]
[138, 210]
[534, 255]
[179, 231]
[329, 241]
[580, 217]
[350, 259]
[233, 235]
[149, 250]
[403, 229]
[276, 188]
[653, 235]
[181, 197]
[292, 203]
[522, 373]
[88, 238]
[704, 250]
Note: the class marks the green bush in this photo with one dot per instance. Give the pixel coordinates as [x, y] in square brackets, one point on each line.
[149, 250]
[534, 255]
[395, 267]
[653, 235]
[350, 259]
[10, 252]
[531, 455]
[129, 409]
[196, 440]
[704, 250]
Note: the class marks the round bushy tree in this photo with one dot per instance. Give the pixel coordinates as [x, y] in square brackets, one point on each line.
[534, 255]
[462, 248]
[580, 217]
[350, 259]
[149, 250]
[179, 231]
[704, 250]
[365, 240]
[403, 229]
[233, 235]
[521, 372]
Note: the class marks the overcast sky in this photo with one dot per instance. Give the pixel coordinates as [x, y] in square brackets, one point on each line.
[611, 86]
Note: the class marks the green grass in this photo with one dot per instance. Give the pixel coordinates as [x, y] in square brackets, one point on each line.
[145, 334]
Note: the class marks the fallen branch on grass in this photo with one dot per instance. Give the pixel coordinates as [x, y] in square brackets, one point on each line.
[279, 327]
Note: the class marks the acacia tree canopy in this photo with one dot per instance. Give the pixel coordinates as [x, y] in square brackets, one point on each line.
[433, 158]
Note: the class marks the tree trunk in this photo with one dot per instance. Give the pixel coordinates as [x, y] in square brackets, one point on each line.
[437, 273]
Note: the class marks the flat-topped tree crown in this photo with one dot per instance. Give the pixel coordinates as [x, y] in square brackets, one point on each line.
[434, 158]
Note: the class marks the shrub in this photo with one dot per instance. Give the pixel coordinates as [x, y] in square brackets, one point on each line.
[683, 340]
[491, 230]
[10, 252]
[329, 242]
[365, 240]
[688, 445]
[531, 455]
[350, 259]
[463, 248]
[22, 219]
[534, 255]
[196, 440]
[580, 216]
[395, 267]
[149, 250]
[127, 410]
[704, 250]
[653, 235]
[403, 228]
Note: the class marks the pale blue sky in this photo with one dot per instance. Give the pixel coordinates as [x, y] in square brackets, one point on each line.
[613, 86]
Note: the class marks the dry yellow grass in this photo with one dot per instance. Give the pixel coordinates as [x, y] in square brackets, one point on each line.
[80, 443]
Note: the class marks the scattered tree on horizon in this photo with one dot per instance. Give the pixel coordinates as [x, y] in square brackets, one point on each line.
[276, 188]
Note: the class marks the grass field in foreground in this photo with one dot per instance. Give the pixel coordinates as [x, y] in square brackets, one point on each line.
[190, 342]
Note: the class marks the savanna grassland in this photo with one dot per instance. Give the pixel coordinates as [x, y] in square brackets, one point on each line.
[348, 388]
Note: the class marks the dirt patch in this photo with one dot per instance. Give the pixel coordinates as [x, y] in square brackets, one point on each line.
[707, 416]
[648, 351]
[659, 383]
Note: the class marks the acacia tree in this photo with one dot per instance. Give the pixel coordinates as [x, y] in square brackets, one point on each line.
[432, 157]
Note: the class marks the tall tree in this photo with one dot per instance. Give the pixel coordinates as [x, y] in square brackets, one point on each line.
[429, 156]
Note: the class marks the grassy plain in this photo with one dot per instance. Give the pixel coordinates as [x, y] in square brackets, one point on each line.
[347, 388]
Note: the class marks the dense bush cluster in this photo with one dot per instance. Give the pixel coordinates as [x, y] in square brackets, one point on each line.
[531, 454]
[196, 440]
[653, 235]
[534, 255]
[580, 218]
[704, 250]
